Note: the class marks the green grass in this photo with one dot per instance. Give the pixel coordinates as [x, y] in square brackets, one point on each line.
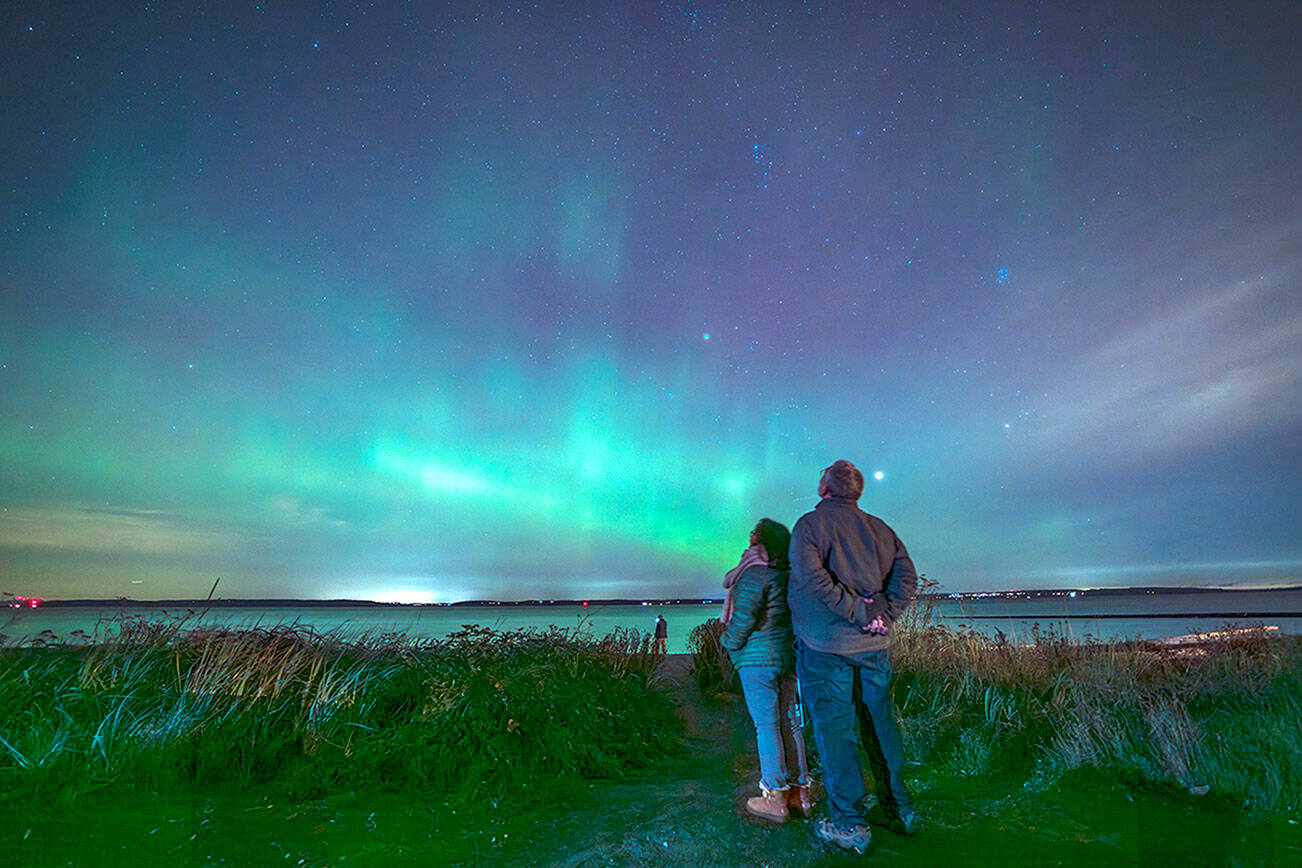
[480, 713]
[1220, 718]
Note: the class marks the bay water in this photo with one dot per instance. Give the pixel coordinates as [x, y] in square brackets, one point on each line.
[1081, 618]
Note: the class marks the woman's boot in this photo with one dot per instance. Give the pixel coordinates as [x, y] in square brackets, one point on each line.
[770, 805]
[800, 801]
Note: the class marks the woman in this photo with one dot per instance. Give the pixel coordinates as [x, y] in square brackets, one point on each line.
[760, 642]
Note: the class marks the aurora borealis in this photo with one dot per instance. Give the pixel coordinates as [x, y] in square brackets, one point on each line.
[448, 301]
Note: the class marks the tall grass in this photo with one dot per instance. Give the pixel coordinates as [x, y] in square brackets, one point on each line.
[482, 710]
[1220, 717]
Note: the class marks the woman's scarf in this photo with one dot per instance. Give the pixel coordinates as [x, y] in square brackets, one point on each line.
[753, 556]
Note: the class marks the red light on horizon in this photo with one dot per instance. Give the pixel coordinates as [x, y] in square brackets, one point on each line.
[16, 601]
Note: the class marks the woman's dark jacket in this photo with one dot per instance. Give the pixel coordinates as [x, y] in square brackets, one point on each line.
[759, 632]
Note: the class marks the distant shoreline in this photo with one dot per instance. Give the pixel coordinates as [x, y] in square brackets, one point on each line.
[237, 603]
[259, 603]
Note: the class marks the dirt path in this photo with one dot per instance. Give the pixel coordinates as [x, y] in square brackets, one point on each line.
[692, 814]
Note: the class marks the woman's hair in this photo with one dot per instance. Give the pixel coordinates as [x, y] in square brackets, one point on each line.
[776, 539]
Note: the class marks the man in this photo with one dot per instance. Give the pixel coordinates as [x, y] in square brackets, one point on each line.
[662, 635]
[851, 578]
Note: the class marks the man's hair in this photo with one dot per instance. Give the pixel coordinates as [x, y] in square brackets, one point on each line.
[843, 479]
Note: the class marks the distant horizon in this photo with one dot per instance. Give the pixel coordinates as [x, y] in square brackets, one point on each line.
[597, 601]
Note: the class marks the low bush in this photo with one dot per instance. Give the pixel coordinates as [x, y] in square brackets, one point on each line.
[711, 666]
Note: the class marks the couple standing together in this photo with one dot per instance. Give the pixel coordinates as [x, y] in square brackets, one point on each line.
[817, 604]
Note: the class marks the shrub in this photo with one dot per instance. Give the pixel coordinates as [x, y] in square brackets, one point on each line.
[711, 666]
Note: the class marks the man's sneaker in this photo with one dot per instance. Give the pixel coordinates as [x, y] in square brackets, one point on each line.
[855, 839]
[901, 821]
[906, 822]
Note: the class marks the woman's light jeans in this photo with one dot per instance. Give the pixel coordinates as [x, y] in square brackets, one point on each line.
[771, 698]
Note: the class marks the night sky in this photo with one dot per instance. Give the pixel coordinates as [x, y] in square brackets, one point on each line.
[440, 301]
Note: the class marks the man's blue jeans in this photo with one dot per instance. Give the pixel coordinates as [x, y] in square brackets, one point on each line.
[771, 699]
[838, 689]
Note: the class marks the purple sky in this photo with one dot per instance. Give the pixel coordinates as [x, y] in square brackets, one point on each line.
[439, 301]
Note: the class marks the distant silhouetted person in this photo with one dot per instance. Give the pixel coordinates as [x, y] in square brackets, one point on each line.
[851, 578]
[759, 641]
[662, 635]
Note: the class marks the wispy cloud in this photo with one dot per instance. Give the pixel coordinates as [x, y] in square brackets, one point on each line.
[1226, 362]
[100, 529]
[1203, 572]
[289, 511]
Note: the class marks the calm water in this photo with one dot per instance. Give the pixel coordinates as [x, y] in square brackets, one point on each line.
[1126, 617]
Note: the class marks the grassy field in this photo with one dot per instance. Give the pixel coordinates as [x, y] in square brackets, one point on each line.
[283, 746]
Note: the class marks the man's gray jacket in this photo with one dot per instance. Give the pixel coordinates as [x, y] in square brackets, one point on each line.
[841, 555]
